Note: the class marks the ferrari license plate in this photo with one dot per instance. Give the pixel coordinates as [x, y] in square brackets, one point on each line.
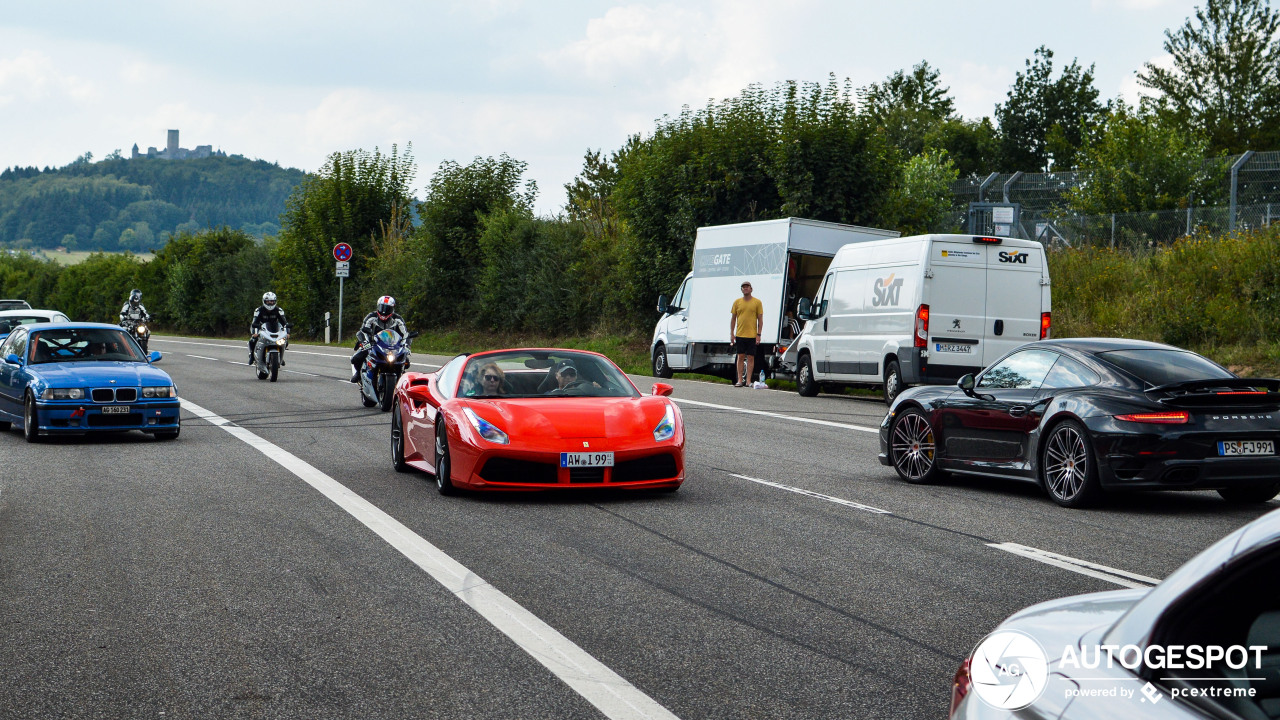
[582, 460]
[1247, 447]
[953, 348]
[116, 410]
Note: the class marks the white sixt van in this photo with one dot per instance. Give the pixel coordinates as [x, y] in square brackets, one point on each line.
[920, 309]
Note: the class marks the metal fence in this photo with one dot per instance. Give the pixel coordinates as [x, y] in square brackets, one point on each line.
[1244, 195]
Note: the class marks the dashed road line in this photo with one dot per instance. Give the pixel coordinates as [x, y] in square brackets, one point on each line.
[202, 357]
[593, 680]
[765, 413]
[812, 494]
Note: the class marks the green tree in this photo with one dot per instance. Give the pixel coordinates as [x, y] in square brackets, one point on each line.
[1142, 160]
[1225, 79]
[1044, 121]
[908, 106]
[922, 199]
[973, 146]
[457, 199]
[346, 201]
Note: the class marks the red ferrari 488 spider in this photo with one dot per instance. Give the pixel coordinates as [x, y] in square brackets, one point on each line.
[536, 419]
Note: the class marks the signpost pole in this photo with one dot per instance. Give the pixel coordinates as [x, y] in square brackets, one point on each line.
[340, 279]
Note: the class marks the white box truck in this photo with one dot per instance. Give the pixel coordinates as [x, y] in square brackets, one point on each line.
[921, 309]
[784, 259]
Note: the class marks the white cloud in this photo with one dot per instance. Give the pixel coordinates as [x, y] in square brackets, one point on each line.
[1131, 91]
[978, 88]
[32, 76]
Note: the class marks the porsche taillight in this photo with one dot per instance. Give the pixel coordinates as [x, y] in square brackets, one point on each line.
[922, 326]
[1180, 417]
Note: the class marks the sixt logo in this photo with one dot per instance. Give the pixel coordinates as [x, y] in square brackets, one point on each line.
[1017, 256]
[886, 291]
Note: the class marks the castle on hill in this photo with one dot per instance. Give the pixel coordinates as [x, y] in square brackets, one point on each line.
[173, 152]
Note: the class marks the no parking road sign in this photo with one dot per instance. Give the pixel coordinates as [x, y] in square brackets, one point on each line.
[342, 252]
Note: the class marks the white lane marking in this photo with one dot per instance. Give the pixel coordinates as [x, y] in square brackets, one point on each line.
[203, 357]
[828, 423]
[303, 352]
[820, 496]
[1076, 565]
[590, 678]
[299, 372]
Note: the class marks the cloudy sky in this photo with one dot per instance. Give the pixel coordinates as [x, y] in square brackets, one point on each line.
[291, 81]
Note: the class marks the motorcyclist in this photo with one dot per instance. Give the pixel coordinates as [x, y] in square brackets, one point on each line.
[134, 311]
[384, 318]
[269, 311]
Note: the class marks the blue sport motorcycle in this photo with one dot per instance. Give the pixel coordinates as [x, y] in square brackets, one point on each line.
[385, 362]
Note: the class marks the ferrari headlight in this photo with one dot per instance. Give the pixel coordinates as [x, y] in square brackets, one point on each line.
[487, 430]
[667, 428]
[163, 391]
[62, 394]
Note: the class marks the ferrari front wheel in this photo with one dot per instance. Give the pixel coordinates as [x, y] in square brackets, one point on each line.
[444, 481]
[397, 442]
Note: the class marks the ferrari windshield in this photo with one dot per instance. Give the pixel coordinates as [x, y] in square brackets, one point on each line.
[543, 373]
[83, 345]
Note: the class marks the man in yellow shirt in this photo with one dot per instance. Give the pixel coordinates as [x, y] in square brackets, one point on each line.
[745, 325]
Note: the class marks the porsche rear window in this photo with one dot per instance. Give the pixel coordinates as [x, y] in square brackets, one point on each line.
[1161, 367]
[83, 345]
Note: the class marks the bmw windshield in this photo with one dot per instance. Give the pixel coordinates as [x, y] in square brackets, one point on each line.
[543, 373]
[82, 345]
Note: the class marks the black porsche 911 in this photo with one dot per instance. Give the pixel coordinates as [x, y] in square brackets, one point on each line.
[1088, 415]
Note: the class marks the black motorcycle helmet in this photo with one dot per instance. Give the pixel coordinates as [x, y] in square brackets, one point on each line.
[386, 307]
[135, 297]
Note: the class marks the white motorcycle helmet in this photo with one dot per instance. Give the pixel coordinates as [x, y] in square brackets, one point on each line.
[269, 300]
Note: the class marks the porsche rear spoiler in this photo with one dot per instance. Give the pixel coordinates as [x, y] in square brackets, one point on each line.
[1220, 392]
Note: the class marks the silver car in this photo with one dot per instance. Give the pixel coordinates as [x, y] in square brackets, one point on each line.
[1204, 643]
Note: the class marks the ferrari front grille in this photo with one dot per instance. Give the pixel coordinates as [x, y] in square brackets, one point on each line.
[654, 467]
[586, 475]
[511, 470]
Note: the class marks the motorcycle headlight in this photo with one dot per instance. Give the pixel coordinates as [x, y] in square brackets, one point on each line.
[391, 357]
[62, 394]
[162, 391]
[667, 428]
[142, 329]
[281, 342]
[487, 430]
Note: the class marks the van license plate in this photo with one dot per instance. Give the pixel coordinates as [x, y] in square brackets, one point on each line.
[115, 410]
[1247, 447]
[951, 348]
[578, 460]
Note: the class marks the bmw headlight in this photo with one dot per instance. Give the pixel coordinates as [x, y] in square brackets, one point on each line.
[163, 391]
[487, 430]
[667, 428]
[62, 394]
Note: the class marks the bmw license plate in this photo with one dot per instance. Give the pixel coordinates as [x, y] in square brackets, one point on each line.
[583, 460]
[1247, 447]
[116, 410]
[952, 348]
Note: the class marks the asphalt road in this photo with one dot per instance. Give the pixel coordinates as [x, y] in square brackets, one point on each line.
[791, 577]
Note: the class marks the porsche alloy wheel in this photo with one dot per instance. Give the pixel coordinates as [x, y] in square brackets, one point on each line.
[444, 480]
[397, 443]
[30, 421]
[1067, 468]
[913, 447]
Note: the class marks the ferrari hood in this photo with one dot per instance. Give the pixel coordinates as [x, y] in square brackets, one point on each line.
[573, 417]
[100, 374]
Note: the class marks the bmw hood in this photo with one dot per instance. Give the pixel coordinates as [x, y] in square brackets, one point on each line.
[569, 418]
[100, 374]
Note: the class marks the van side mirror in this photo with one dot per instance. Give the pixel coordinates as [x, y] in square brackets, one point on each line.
[155, 356]
[803, 310]
[664, 304]
[966, 384]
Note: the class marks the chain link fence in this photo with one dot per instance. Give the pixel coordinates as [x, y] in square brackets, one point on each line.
[1245, 195]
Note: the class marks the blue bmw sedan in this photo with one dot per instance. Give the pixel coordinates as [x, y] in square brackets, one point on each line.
[76, 378]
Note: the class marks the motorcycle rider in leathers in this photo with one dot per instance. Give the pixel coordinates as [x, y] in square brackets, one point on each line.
[268, 311]
[134, 311]
[385, 318]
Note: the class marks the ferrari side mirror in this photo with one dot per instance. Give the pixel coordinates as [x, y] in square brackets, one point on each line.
[662, 389]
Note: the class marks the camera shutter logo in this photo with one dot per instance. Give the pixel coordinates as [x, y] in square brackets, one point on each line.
[1009, 670]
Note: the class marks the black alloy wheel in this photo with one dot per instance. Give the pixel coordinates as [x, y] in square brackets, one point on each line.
[30, 421]
[1067, 466]
[397, 443]
[805, 384]
[913, 447]
[660, 367]
[1258, 494]
[444, 481]
[893, 385]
